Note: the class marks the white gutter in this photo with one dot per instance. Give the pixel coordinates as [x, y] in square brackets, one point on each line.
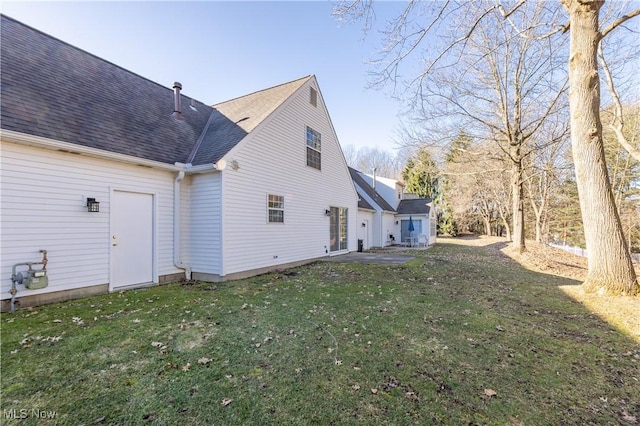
[40, 142]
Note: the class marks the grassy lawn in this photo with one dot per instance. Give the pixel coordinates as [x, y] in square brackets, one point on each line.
[460, 335]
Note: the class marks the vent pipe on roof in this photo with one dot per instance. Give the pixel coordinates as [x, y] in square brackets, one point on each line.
[374, 178]
[177, 105]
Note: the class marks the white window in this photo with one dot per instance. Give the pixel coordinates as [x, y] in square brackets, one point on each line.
[313, 148]
[275, 208]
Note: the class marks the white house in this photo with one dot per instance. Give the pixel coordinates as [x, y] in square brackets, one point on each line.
[386, 213]
[184, 189]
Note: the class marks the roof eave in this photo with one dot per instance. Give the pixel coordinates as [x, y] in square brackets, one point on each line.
[52, 144]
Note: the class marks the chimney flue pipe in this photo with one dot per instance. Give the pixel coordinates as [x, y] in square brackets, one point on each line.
[177, 106]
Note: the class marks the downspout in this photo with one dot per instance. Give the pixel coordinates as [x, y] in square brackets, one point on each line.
[177, 186]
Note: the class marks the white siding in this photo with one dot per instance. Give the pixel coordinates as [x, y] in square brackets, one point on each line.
[389, 227]
[365, 233]
[273, 161]
[206, 222]
[43, 207]
[185, 220]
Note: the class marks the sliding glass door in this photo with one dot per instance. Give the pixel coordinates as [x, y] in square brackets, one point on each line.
[338, 229]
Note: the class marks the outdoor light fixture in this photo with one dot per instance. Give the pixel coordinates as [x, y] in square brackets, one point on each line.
[93, 206]
[364, 225]
[235, 165]
[327, 212]
[396, 222]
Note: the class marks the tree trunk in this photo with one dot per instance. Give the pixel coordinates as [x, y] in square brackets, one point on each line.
[487, 226]
[507, 230]
[610, 268]
[537, 211]
[505, 225]
[518, 204]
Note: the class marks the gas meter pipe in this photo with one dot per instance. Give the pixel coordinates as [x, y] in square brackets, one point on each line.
[14, 277]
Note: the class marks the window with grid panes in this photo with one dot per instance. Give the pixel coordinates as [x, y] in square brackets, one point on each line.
[313, 148]
[275, 208]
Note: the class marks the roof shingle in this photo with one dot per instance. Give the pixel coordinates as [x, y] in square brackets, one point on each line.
[368, 189]
[57, 91]
[234, 119]
[54, 90]
[414, 206]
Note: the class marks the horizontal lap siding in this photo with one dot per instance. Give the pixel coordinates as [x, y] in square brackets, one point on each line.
[389, 227]
[205, 215]
[43, 207]
[273, 161]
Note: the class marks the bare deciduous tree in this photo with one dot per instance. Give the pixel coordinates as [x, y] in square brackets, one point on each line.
[462, 25]
[610, 267]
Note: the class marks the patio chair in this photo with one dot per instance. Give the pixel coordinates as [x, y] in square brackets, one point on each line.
[422, 240]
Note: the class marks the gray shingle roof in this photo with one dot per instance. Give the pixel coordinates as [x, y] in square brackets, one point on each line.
[368, 189]
[414, 206]
[54, 90]
[234, 119]
[57, 91]
[363, 204]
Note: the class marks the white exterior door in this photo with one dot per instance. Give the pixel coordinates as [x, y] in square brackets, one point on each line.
[363, 233]
[131, 239]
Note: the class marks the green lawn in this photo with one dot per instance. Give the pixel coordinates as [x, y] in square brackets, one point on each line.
[460, 335]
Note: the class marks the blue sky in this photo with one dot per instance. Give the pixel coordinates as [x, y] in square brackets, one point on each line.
[221, 50]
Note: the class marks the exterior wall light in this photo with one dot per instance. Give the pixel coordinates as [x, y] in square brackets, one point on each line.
[93, 206]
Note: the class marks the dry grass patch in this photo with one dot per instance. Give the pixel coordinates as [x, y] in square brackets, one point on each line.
[462, 334]
[622, 312]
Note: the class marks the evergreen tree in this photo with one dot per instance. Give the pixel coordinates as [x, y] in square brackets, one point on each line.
[420, 175]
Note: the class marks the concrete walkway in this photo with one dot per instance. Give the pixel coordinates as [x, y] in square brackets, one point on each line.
[371, 258]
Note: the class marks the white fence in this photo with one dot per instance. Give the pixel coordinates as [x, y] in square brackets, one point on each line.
[635, 257]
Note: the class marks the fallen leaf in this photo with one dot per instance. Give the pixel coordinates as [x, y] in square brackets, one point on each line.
[157, 344]
[226, 401]
[374, 391]
[411, 395]
[204, 361]
[355, 387]
[628, 417]
[490, 392]
[186, 367]
[499, 328]
[99, 419]
[149, 417]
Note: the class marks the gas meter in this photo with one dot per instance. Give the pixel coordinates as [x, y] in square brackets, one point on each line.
[33, 279]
